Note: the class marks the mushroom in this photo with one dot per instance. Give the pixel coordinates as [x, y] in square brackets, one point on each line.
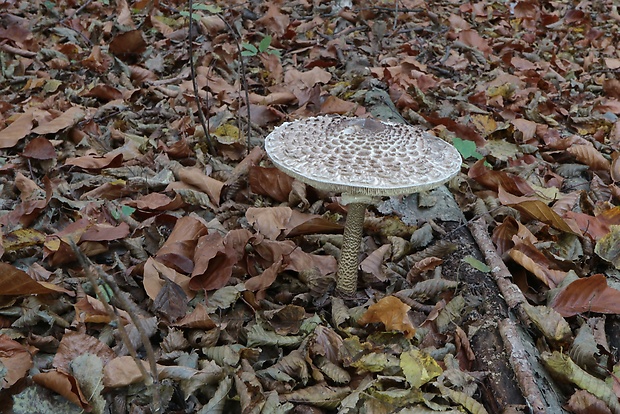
[363, 159]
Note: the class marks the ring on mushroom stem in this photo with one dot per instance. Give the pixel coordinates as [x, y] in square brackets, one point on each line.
[364, 159]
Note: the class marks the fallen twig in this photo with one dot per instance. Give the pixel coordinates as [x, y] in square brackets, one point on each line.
[131, 309]
[521, 366]
[511, 292]
[201, 115]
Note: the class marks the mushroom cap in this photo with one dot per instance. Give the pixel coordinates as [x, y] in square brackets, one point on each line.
[362, 156]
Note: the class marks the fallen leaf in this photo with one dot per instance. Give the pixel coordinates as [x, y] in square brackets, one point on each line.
[16, 361]
[67, 119]
[392, 313]
[588, 294]
[17, 131]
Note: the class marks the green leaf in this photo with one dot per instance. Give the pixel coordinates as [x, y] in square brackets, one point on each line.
[275, 52]
[250, 50]
[264, 44]
[207, 7]
[195, 16]
[466, 148]
[476, 264]
[127, 211]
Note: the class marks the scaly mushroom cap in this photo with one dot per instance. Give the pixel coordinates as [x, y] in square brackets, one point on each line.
[361, 156]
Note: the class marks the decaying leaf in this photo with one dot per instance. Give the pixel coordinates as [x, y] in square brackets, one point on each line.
[419, 367]
[551, 323]
[561, 365]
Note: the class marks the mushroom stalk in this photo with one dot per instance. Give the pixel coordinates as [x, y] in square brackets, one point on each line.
[346, 281]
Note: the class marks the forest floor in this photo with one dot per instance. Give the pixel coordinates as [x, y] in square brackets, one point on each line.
[154, 260]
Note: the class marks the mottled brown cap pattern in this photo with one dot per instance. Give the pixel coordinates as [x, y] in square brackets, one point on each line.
[362, 156]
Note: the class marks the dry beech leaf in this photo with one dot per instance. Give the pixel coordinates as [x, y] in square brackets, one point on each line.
[154, 282]
[69, 118]
[28, 189]
[528, 256]
[105, 93]
[327, 342]
[64, 384]
[270, 182]
[105, 232]
[269, 221]
[298, 261]
[126, 45]
[503, 234]
[494, 179]
[588, 294]
[156, 202]
[18, 130]
[535, 209]
[562, 367]
[419, 367]
[392, 312]
[335, 105]
[215, 257]
[15, 359]
[196, 178]
[198, 319]
[179, 249]
[17, 282]
[302, 223]
[260, 283]
[587, 154]
[286, 320]
[139, 74]
[39, 148]
[594, 227]
[20, 239]
[320, 395]
[123, 371]
[373, 263]
[526, 127]
[74, 343]
[96, 162]
[582, 402]
[608, 247]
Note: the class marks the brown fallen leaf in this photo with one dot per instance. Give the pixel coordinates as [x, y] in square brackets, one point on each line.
[18, 130]
[590, 156]
[532, 259]
[391, 312]
[96, 162]
[68, 119]
[39, 148]
[588, 294]
[15, 359]
[17, 282]
[269, 221]
[76, 343]
[270, 182]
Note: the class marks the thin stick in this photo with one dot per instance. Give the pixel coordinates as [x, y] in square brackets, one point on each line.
[244, 81]
[201, 115]
[87, 265]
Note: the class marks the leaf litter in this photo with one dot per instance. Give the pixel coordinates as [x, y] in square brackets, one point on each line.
[226, 266]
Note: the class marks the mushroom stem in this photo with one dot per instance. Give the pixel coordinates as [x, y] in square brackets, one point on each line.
[346, 281]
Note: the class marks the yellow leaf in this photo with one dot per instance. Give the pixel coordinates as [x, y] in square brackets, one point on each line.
[419, 367]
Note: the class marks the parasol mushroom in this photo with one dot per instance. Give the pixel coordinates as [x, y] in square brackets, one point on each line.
[363, 159]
